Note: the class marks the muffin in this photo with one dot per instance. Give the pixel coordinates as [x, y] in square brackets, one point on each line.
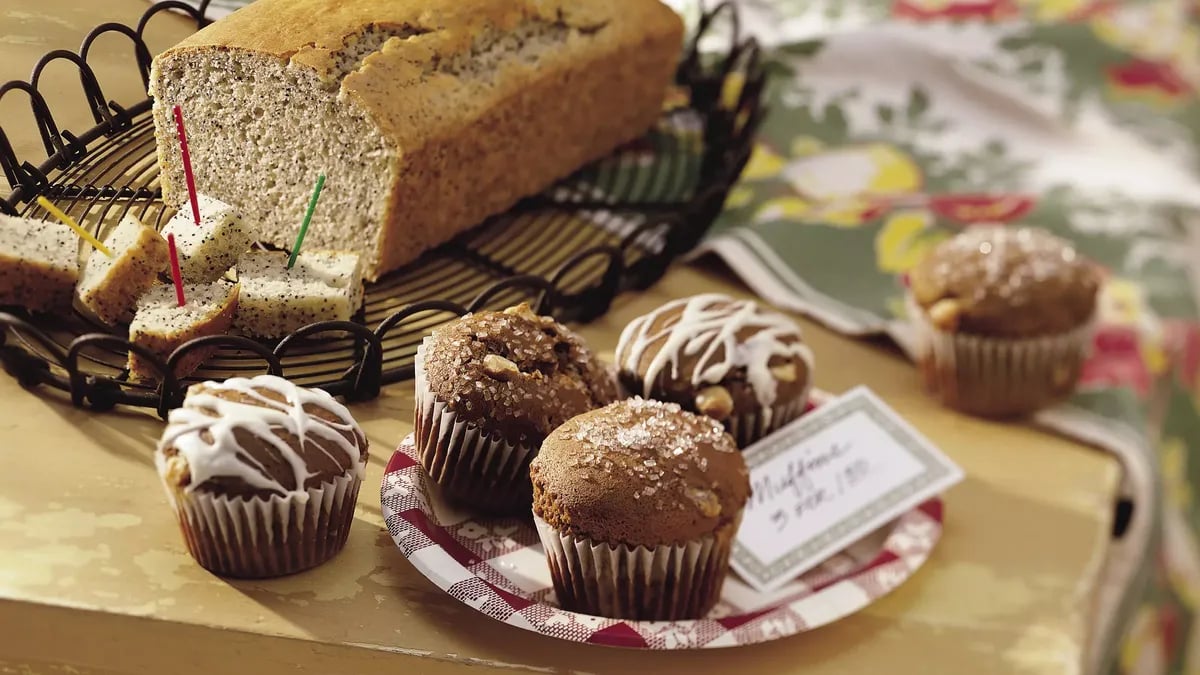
[1003, 319]
[637, 505]
[742, 365]
[489, 388]
[263, 475]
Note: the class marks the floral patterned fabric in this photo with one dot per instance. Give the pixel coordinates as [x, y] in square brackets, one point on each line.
[895, 124]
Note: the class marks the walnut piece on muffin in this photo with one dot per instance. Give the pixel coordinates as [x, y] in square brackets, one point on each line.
[490, 387]
[1000, 281]
[1003, 319]
[733, 360]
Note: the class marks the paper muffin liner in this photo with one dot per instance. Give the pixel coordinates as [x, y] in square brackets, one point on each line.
[998, 377]
[258, 538]
[663, 583]
[751, 427]
[481, 470]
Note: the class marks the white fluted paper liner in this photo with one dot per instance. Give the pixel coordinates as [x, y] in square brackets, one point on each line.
[751, 427]
[258, 538]
[663, 583]
[471, 467]
[998, 377]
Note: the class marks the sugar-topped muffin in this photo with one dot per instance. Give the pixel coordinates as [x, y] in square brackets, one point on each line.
[490, 386]
[1006, 282]
[628, 486]
[1003, 317]
[733, 360]
[275, 463]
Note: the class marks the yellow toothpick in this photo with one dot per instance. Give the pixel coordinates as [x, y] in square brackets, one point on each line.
[70, 222]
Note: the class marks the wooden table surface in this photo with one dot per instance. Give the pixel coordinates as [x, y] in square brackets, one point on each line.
[94, 577]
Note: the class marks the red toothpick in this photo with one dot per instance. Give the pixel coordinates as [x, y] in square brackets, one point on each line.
[187, 164]
[175, 275]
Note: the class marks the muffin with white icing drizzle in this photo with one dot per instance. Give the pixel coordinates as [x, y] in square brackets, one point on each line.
[263, 475]
[637, 505]
[1003, 318]
[743, 365]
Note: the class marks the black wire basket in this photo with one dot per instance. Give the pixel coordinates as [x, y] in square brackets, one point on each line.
[613, 226]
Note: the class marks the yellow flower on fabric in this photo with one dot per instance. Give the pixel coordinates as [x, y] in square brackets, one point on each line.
[847, 186]
[764, 164]
[803, 146]
[1123, 303]
[1055, 11]
[904, 239]
[784, 208]
[850, 212]
[1173, 455]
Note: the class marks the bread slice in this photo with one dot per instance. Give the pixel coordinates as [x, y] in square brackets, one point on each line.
[207, 251]
[162, 326]
[110, 287]
[275, 301]
[427, 116]
[39, 264]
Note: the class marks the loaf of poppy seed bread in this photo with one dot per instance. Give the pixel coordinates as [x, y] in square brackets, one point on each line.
[426, 115]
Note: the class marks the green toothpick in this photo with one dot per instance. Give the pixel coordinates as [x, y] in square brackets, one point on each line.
[312, 206]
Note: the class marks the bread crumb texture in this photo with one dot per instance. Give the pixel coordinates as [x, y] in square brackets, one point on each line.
[208, 250]
[38, 263]
[110, 287]
[162, 326]
[275, 300]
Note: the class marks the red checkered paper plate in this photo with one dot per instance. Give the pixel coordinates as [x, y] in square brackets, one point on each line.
[497, 566]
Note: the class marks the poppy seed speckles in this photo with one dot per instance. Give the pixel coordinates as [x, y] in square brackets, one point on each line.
[208, 250]
[275, 300]
[38, 264]
[110, 287]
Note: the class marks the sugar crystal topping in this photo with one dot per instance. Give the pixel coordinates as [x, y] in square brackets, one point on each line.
[1007, 260]
[654, 445]
[554, 376]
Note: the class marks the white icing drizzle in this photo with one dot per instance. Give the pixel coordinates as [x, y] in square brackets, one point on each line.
[224, 455]
[711, 322]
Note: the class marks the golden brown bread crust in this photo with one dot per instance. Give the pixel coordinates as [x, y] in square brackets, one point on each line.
[463, 153]
[639, 472]
[1008, 282]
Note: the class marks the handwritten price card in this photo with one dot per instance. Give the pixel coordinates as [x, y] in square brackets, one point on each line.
[829, 479]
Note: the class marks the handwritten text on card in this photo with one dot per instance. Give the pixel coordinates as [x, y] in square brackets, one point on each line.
[829, 479]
